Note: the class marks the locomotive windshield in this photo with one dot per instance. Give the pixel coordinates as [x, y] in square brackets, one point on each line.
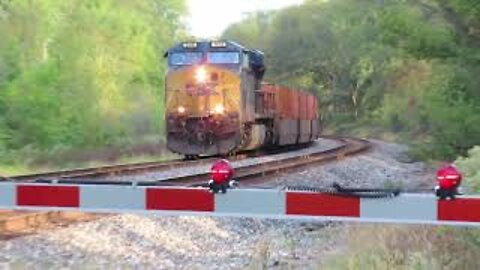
[192, 58]
[185, 58]
[223, 57]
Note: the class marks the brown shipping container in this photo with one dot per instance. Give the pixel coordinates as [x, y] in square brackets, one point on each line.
[293, 104]
[280, 105]
[308, 106]
[287, 103]
[311, 107]
[303, 106]
[295, 110]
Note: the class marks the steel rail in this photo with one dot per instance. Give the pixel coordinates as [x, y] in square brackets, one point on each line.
[110, 170]
[349, 146]
[130, 168]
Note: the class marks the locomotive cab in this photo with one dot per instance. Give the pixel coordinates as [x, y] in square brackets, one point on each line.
[210, 96]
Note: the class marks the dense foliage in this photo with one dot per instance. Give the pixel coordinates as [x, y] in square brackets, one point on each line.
[82, 73]
[407, 66]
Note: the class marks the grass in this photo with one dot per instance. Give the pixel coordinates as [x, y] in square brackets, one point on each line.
[379, 246]
[18, 169]
[8, 170]
[33, 161]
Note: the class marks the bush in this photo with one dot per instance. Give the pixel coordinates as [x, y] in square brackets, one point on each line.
[445, 124]
[470, 167]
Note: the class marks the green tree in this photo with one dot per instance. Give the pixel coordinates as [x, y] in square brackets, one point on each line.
[83, 73]
[389, 62]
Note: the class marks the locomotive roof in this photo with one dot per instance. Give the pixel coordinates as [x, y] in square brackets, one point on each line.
[206, 45]
[256, 57]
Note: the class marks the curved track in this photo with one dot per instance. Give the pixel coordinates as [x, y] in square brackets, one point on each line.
[252, 173]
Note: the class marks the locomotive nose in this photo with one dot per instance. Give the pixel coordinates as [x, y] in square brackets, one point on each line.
[203, 109]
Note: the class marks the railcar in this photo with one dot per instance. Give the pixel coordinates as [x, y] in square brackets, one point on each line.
[216, 102]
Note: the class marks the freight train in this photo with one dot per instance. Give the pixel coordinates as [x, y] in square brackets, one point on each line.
[217, 104]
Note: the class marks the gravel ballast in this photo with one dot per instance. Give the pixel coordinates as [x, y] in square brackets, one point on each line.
[385, 165]
[156, 242]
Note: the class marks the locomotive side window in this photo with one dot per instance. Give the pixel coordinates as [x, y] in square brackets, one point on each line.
[185, 58]
[223, 57]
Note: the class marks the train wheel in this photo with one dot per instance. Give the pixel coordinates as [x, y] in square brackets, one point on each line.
[230, 155]
[192, 157]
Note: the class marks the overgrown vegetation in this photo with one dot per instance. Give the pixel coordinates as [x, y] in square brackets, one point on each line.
[408, 247]
[82, 74]
[406, 67]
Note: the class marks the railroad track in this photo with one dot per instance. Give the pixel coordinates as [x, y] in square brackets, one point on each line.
[248, 175]
[111, 170]
[135, 168]
[125, 169]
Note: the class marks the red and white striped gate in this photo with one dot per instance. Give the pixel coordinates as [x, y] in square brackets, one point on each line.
[268, 203]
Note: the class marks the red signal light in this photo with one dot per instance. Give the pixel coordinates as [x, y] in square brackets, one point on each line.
[448, 179]
[221, 172]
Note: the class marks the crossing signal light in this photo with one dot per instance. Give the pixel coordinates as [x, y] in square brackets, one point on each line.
[448, 182]
[221, 175]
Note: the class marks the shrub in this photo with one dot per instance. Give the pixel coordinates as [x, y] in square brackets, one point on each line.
[470, 167]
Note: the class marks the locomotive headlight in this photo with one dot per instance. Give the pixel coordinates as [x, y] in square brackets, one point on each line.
[219, 109]
[181, 109]
[201, 75]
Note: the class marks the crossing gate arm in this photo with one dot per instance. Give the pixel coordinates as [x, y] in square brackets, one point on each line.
[263, 203]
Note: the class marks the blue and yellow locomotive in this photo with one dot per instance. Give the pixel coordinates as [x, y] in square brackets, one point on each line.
[215, 101]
